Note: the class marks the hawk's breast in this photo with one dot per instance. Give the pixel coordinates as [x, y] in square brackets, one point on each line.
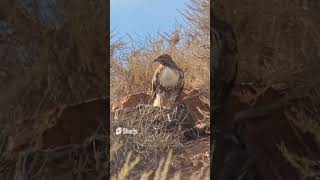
[168, 78]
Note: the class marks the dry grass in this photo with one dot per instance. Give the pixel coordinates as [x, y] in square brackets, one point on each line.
[72, 161]
[131, 62]
[308, 169]
[58, 67]
[61, 67]
[161, 172]
[279, 49]
[304, 120]
[158, 131]
[131, 72]
[134, 73]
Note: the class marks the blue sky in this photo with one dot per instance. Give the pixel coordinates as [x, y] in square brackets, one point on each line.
[139, 18]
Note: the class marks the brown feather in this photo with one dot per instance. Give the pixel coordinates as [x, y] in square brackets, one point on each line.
[167, 94]
[155, 79]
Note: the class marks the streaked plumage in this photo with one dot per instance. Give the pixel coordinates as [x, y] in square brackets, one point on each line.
[167, 82]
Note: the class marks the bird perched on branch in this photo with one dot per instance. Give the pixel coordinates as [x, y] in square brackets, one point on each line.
[167, 82]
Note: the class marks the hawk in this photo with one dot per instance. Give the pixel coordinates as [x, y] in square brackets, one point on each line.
[167, 82]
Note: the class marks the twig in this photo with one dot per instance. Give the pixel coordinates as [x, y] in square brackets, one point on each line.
[265, 110]
[194, 95]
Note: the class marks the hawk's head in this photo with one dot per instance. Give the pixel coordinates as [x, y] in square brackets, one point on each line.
[165, 60]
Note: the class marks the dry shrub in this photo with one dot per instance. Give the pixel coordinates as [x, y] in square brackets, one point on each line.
[73, 161]
[161, 172]
[135, 74]
[308, 169]
[279, 48]
[304, 119]
[64, 65]
[131, 72]
[131, 62]
[158, 131]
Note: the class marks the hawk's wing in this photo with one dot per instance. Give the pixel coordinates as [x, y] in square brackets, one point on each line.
[155, 79]
[180, 84]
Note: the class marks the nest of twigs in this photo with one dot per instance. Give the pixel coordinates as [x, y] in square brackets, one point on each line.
[154, 132]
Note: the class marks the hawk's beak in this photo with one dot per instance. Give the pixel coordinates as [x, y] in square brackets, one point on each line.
[155, 60]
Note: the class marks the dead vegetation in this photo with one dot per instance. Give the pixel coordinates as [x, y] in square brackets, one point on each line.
[131, 62]
[56, 65]
[279, 59]
[51, 55]
[61, 62]
[161, 131]
[157, 131]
